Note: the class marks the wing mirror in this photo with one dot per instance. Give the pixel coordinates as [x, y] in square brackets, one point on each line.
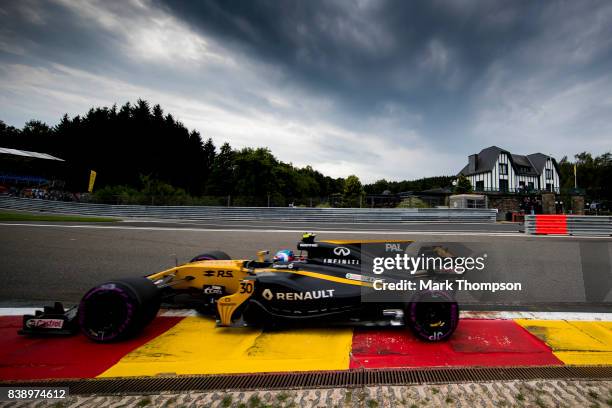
[261, 255]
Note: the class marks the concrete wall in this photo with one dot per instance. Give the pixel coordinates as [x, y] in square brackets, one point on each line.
[504, 204]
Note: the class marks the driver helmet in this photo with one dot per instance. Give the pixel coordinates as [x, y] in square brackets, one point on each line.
[284, 255]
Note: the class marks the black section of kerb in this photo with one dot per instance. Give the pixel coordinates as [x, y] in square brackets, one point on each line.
[318, 379]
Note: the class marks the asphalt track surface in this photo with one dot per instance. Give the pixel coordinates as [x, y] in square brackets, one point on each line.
[42, 262]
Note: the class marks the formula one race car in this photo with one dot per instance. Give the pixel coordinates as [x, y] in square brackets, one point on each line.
[324, 284]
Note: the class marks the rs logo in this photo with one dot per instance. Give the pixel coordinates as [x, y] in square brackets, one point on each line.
[342, 251]
[219, 274]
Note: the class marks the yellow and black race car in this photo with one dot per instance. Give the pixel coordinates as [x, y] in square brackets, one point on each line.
[325, 284]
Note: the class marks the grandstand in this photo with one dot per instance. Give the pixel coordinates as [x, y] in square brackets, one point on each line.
[26, 173]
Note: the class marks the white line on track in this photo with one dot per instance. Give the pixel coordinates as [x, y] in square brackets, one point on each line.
[503, 315]
[372, 232]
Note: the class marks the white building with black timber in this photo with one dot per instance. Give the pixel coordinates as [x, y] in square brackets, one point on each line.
[497, 170]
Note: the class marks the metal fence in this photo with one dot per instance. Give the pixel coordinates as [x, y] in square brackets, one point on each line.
[579, 225]
[516, 190]
[296, 214]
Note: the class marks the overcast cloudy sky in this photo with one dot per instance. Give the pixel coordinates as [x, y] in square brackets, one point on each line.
[382, 89]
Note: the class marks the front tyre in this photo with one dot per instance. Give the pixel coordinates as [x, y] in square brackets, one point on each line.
[118, 309]
[433, 316]
[211, 256]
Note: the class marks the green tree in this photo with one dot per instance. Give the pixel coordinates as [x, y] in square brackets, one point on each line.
[222, 175]
[378, 187]
[412, 202]
[9, 136]
[421, 184]
[353, 193]
[463, 185]
[593, 175]
[209, 153]
[254, 172]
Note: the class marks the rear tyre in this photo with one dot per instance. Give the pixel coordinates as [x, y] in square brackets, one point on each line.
[211, 256]
[118, 309]
[433, 316]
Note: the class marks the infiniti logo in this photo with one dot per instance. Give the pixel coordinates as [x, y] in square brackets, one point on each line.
[342, 251]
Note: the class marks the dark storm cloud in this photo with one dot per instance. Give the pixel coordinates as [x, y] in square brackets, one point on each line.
[49, 32]
[428, 56]
[416, 53]
[351, 44]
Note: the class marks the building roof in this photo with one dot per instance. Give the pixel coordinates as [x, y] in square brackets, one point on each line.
[538, 161]
[487, 158]
[524, 165]
[532, 164]
[520, 160]
[25, 153]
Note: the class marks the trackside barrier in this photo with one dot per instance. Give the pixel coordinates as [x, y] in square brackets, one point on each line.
[579, 225]
[295, 214]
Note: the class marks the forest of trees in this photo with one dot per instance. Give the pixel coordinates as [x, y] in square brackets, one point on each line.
[593, 175]
[140, 152]
[422, 184]
[143, 155]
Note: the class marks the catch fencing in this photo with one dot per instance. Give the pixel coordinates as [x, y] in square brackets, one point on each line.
[578, 225]
[294, 214]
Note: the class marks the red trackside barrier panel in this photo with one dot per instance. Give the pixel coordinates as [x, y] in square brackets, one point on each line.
[551, 224]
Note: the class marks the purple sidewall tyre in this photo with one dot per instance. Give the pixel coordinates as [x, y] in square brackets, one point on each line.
[211, 256]
[433, 316]
[118, 309]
